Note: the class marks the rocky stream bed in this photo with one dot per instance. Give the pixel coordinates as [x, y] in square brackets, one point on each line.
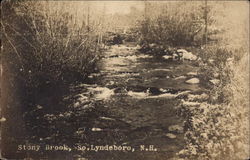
[132, 101]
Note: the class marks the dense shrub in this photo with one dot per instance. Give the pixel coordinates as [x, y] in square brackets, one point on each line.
[216, 64]
[178, 27]
[43, 46]
[219, 129]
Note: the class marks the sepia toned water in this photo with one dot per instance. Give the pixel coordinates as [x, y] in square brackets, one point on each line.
[130, 102]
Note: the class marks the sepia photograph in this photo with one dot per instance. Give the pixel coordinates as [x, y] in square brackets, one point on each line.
[124, 80]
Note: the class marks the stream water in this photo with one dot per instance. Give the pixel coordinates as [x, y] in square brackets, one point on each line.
[130, 102]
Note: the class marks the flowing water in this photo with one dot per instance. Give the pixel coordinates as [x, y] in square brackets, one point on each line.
[130, 102]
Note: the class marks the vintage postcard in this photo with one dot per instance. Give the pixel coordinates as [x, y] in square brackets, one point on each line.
[124, 80]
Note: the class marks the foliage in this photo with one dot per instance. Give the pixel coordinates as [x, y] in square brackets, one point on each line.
[178, 27]
[44, 46]
[220, 130]
[216, 63]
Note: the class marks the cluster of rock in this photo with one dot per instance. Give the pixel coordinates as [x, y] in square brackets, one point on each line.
[167, 52]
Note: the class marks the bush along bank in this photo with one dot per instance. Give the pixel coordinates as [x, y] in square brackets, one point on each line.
[45, 50]
[216, 125]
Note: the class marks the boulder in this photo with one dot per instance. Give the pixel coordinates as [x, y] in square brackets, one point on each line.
[192, 73]
[2, 119]
[176, 128]
[171, 136]
[193, 81]
[180, 77]
[96, 129]
[189, 56]
[186, 55]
